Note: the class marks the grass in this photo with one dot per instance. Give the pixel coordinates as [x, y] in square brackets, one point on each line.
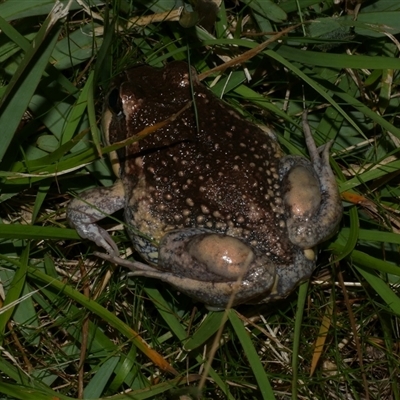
[72, 326]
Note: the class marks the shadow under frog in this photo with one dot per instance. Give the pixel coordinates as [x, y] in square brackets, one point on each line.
[231, 213]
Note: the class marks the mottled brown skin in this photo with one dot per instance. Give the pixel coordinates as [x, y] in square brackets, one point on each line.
[190, 170]
[220, 184]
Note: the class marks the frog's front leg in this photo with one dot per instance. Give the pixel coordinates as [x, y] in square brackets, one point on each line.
[93, 205]
[311, 197]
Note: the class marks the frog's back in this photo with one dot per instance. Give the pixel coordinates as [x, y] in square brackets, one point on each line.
[208, 168]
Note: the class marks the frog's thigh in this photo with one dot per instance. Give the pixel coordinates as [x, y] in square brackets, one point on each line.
[205, 254]
[93, 205]
[303, 200]
[303, 194]
[312, 201]
[209, 267]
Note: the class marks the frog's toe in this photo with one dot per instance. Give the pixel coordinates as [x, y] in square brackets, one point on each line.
[87, 229]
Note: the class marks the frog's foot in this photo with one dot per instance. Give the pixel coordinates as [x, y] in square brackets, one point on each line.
[135, 266]
[311, 197]
[216, 295]
[98, 235]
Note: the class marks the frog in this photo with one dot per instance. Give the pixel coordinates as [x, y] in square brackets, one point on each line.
[211, 203]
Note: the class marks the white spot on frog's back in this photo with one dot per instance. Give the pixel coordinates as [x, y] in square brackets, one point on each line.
[255, 212]
[141, 212]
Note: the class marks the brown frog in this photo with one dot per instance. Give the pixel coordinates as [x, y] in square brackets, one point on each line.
[221, 211]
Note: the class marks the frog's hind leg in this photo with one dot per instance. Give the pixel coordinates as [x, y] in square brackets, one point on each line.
[312, 202]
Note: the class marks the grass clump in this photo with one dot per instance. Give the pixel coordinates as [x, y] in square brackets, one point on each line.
[74, 327]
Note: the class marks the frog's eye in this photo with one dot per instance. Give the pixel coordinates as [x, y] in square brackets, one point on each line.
[114, 102]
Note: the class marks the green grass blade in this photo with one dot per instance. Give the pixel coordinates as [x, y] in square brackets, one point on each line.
[381, 288]
[207, 329]
[99, 381]
[251, 353]
[36, 232]
[23, 85]
[14, 292]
